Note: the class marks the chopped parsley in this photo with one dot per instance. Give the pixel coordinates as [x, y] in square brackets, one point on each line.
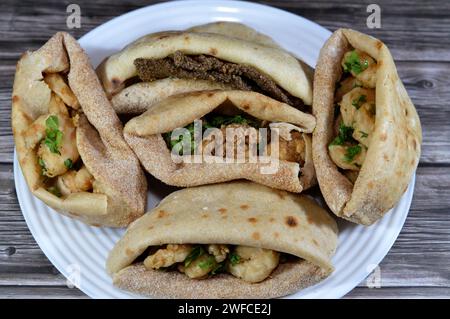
[211, 121]
[42, 165]
[54, 136]
[68, 163]
[172, 143]
[196, 252]
[55, 191]
[363, 134]
[219, 120]
[234, 258]
[208, 263]
[220, 267]
[351, 152]
[359, 101]
[353, 64]
[345, 135]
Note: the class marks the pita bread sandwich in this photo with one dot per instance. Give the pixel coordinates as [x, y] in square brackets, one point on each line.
[136, 98]
[219, 55]
[69, 140]
[366, 144]
[233, 240]
[225, 132]
[230, 77]
[179, 77]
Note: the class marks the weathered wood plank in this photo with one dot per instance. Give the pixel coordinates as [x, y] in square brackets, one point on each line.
[396, 293]
[34, 292]
[33, 279]
[424, 27]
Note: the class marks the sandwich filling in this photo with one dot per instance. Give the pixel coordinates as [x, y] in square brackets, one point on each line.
[53, 137]
[355, 112]
[250, 264]
[244, 137]
[206, 67]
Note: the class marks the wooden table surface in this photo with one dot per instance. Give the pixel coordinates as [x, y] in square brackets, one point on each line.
[418, 34]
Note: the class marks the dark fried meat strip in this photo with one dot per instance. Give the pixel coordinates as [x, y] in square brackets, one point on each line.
[203, 67]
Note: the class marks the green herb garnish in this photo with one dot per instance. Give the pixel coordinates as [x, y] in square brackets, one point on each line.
[234, 258]
[68, 163]
[345, 135]
[351, 152]
[196, 252]
[218, 268]
[219, 120]
[359, 101]
[363, 134]
[55, 191]
[54, 136]
[208, 263]
[353, 64]
[212, 121]
[42, 165]
[172, 143]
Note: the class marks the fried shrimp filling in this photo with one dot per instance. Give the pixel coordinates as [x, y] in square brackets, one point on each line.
[355, 112]
[238, 137]
[250, 264]
[53, 136]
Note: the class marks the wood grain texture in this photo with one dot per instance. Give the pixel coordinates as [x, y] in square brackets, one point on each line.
[418, 34]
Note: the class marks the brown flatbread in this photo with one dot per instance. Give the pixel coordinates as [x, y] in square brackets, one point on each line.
[120, 181]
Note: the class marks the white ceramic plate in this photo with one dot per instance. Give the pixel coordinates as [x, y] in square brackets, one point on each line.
[79, 251]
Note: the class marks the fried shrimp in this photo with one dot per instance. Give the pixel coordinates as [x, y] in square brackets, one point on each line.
[54, 134]
[200, 267]
[168, 256]
[55, 150]
[255, 264]
[348, 156]
[219, 252]
[237, 141]
[293, 150]
[75, 181]
[366, 73]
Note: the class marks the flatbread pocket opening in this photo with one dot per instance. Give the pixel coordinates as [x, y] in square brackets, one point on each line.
[366, 144]
[69, 140]
[217, 55]
[233, 240]
[240, 132]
